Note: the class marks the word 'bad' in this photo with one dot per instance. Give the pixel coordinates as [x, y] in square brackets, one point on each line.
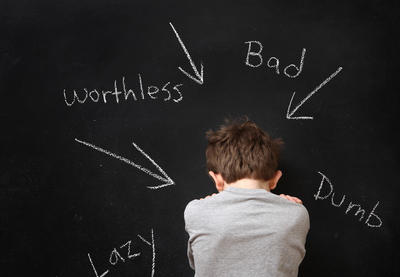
[123, 254]
[166, 92]
[254, 58]
[329, 192]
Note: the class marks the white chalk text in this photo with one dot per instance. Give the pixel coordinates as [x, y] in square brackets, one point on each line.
[326, 191]
[164, 92]
[125, 253]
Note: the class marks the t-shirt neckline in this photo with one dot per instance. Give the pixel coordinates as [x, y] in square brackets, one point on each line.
[246, 191]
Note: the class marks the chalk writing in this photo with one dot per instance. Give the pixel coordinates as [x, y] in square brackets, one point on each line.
[153, 262]
[255, 59]
[324, 192]
[166, 178]
[289, 114]
[199, 76]
[164, 92]
[125, 249]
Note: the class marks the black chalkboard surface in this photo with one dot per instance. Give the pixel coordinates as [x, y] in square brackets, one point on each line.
[105, 105]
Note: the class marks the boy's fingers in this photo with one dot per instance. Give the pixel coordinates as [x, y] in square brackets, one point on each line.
[284, 196]
[298, 200]
[291, 198]
[295, 199]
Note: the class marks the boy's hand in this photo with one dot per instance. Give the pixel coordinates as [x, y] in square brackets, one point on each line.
[291, 198]
[208, 196]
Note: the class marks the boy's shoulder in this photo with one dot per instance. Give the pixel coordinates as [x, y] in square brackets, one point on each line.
[198, 206]
[198, 203]
[191, 207]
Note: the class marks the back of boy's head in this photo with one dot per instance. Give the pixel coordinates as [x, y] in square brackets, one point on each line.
[240, 149]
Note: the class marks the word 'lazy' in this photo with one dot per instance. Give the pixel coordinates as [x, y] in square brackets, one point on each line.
[124, 254]
[166, 92]
[256, 60]
[329, 192]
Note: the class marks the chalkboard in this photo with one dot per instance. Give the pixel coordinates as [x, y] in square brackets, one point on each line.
[105, 105]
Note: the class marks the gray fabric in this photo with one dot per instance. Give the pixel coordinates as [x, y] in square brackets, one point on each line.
[245, 232]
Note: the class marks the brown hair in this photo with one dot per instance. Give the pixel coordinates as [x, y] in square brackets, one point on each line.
[240, 149]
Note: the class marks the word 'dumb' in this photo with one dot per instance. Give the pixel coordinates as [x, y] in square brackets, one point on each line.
[324, 192]
[165, 92]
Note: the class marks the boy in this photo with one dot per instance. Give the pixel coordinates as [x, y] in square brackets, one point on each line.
[245, 230]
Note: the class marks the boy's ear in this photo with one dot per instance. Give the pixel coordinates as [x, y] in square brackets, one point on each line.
[274, 181]
[218, 180]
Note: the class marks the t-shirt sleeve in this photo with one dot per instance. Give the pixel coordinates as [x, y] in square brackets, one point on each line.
[301, 228]
[190, 255]
[305, 219]
[188, 217]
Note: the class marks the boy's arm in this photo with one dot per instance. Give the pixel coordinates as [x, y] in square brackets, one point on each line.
[190, 254]
[190, 233]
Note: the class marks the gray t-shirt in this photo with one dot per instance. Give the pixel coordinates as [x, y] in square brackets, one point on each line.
[245, 232]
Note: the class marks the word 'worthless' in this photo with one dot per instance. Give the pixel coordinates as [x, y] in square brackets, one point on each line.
[361, 212]
[166, 92]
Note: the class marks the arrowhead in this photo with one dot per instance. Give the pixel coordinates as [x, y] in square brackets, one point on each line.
[289, 114]
[166, 178]
[168, 181]
[199, 76]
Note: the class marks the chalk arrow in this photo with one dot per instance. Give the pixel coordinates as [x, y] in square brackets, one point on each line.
[168, 181]
[199, 76]
[289, 114]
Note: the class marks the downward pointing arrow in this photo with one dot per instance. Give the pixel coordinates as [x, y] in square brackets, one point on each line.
[199, 76]
[166, 178]
[289, 114]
